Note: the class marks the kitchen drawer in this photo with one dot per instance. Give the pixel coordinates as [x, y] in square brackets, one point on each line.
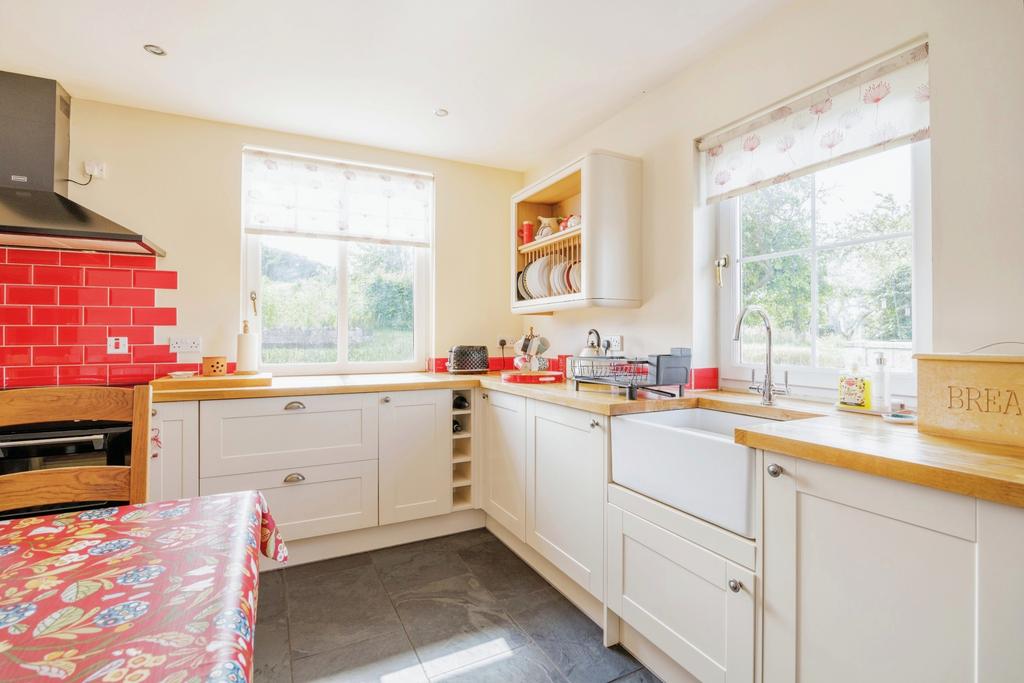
[262, 434]
[695, 605]
[319, 500]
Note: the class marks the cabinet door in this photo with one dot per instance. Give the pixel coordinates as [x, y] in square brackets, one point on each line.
[565, 484]
[866, 579]
[505, 461]
[694, 605]
[311, 501]
[246, 435]
[415, 455]
[174, 451]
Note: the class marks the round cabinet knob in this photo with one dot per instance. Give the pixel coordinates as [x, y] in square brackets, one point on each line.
[294, 478]
[735, 585]
[483, 396]
[386, 399]
[774, 470]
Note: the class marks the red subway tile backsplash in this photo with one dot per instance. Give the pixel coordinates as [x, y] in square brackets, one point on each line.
[132, 297]
[15, 274]
[97, 315]
[56, 275]
[57, 309]
[132, 261]
[84, 258]
[155, 316]
[35, 335]
[41, 256]
[31, 294]
[159, 279]
[56, 315]
[83, 296]
[108, 277]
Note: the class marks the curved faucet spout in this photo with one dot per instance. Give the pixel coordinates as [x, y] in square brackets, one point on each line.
[767, 390]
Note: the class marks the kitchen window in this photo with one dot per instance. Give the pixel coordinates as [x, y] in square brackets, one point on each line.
[337, 263]
[823, 209]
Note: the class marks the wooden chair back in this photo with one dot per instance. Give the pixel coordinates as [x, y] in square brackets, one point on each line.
[78, 484]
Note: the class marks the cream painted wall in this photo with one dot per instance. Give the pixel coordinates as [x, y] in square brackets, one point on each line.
[977, 87]
[177, 180]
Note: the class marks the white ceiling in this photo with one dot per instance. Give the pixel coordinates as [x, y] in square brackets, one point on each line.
[518, 76]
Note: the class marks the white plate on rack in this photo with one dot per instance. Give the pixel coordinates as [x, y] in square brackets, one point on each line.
[575, 276]
[557, 278]
[539, 283]
[519, 285]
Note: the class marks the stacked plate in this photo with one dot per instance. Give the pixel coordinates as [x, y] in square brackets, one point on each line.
[551, 275]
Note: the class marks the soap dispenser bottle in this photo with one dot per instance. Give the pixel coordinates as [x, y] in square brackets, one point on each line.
[881, 399]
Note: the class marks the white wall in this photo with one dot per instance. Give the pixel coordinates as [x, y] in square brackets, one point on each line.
[977, 114]
[177, 180]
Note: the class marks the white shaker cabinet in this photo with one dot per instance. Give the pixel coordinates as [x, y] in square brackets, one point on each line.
[566, 456]
[174, 451]
[415, 455]
[504, 496]
[871, 579]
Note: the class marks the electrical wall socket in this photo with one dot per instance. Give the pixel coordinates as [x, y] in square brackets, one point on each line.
[185, 344]
[503, 342]
[97, 169]
[615, 342]
[117, 345]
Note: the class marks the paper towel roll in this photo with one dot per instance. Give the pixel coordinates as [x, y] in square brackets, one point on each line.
[248, 354]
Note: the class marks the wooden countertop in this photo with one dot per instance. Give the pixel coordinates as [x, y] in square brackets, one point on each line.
[802, 429]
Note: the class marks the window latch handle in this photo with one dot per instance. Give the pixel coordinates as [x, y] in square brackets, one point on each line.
[252, 298]
[720, 263]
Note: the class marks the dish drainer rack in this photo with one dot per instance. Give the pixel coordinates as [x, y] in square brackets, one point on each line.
[631, 374]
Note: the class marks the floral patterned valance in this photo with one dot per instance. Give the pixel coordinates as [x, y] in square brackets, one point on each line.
[288, 194]
[881, 107]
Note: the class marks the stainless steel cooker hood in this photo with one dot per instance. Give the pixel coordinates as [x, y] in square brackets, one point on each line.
[35, 125]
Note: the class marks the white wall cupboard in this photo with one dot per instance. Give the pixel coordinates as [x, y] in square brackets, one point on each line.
[415, 455]
[174, 454]
[566, 473]
[605, 189]
[870, 579]
[504, 496]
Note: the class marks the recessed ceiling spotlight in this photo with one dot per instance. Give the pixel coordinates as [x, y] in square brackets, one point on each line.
[441, 112]
[155, 50]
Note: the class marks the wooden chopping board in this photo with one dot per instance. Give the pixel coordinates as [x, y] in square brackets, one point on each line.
[260, 379]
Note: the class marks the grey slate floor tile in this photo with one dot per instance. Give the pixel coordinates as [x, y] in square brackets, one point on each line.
[456, 608]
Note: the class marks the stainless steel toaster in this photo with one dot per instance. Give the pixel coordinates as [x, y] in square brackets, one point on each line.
[467, 359]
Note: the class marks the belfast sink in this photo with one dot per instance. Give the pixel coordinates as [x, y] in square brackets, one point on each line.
[687, 459]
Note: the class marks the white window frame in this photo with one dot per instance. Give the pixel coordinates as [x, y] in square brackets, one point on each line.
[423, 288]
[822, 382]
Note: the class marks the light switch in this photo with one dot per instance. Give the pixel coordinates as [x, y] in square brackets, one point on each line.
[117, 345]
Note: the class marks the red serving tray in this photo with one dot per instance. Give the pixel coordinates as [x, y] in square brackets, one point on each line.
[531, 377]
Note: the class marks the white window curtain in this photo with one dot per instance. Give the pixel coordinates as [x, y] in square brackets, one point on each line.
[878, 108]
[287, 195]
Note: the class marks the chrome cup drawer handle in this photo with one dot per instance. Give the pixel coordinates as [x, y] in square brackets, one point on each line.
[294, 478]
[295, 405]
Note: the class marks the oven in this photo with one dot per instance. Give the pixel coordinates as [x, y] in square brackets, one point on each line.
[50, 445]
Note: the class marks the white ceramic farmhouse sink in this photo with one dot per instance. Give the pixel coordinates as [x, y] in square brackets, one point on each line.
[688, 459]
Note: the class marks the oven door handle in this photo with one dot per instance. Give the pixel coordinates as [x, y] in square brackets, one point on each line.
[97, 441]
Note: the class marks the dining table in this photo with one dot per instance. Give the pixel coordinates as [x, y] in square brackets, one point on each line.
[164, 592]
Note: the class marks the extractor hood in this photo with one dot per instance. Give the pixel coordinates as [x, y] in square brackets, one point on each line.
[35, 125]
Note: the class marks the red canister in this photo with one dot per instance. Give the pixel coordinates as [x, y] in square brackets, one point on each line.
[526, 232]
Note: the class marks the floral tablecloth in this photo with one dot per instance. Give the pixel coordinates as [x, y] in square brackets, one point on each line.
[160, 592]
